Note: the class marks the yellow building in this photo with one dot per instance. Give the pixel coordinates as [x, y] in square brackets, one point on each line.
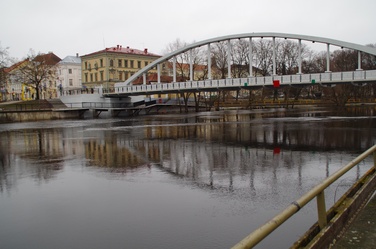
[111, 65]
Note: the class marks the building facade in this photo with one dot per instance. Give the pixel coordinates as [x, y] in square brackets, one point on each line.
[106, 67]
[69, 74]
[15, 88]
[22, 78]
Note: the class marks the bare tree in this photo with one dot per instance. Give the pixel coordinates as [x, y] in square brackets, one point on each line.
[183, 60]
[369, 61]
[219, 59]
[344, 60]
[264, 56]
[240, 62]
[39, 71]
[4, 56]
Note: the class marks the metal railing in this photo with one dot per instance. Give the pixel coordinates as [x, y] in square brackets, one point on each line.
[258, 235]
[299, 79]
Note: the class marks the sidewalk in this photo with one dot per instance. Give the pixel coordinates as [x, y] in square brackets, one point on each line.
[362, 231]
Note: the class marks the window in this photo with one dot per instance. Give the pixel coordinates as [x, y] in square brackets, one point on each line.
[101, 62]
[96, 77]
[139, 64]
[119, 63]
[70, 82]
[91, 77]
[131, 63]
[125, 63]
[86, 78]
[120, 75]
[111, 63]
[146, 63]
[70, 70]
[101, 75]
[85, 65]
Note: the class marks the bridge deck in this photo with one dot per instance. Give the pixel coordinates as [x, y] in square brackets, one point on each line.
[353, 77]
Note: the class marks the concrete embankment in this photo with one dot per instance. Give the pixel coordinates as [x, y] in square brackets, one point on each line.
[37, 110]
[35, 115]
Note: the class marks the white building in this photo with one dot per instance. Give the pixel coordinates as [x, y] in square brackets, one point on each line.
[69, 74]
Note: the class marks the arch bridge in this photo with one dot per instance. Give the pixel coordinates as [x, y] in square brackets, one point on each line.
[358, 76]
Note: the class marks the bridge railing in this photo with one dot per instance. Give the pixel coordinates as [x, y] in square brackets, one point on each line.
[317, 192]
[322, 78]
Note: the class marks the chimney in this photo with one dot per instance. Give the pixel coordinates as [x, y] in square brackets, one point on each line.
[145, 51]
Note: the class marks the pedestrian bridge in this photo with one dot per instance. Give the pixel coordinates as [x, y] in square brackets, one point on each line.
[327, 79]
[358, 77]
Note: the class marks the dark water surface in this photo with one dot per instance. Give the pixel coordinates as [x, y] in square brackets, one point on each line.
[197, 180]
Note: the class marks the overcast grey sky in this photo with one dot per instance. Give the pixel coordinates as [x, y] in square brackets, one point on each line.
[67, 27]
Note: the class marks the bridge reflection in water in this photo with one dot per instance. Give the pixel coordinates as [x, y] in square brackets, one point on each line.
[246, 166]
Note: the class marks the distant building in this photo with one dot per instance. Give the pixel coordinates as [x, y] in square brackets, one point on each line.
[14, 81]
[48, 87]
[69, 74]
[111, 65]
[19, 85]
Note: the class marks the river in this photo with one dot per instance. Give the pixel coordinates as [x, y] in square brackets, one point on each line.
[196, 180]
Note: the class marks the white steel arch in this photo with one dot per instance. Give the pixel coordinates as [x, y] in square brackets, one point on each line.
[273, 35]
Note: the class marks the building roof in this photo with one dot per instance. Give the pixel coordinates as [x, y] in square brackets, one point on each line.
[119, 49]
[71, 59]
[15, 66]
[186, 66]
[50, 58]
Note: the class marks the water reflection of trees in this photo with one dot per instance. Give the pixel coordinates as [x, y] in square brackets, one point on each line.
[213, 150]
[35, 153]
[222, 150]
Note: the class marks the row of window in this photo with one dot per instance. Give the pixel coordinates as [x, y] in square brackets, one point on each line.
[120, 63]
[119, 76]
[70, 71]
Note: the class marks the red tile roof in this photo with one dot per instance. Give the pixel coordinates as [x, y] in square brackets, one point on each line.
[124, 50]
[50, 58]
[14, 66]
[186, 66]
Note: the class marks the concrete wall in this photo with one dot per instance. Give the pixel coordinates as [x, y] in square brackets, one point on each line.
[8, 117]
[77, 100]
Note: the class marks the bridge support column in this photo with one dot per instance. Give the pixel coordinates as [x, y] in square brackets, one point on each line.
[159, 73]
[228, 59]
[250, 57]
[359, 61]
[327, 58]
[209, 62]
[191, 65]
[300, 57]
[274, 64]
[174, 68]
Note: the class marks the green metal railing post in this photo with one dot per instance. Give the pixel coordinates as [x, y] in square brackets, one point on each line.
[321, 209]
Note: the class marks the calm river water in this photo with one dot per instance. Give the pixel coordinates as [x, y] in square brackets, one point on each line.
[197, 180]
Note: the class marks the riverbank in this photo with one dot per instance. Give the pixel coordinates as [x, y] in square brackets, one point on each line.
[26, 111]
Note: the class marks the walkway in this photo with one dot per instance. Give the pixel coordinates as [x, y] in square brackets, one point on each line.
[362, 231]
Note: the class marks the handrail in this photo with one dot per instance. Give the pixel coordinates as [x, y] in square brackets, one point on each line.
[331, 78]
[318, 191]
